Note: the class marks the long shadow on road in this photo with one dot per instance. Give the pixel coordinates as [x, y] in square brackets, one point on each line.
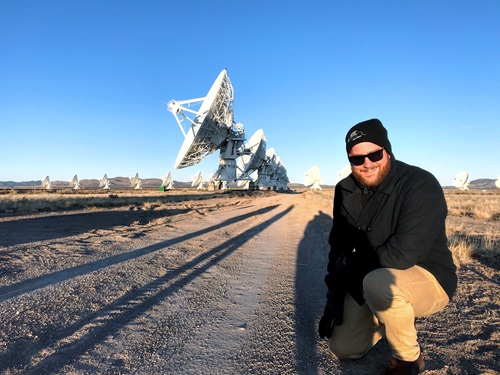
[310, 291]
[52, 227]
[125, 309]
[26, 286]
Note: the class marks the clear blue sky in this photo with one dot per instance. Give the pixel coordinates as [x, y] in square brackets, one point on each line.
[84, 84]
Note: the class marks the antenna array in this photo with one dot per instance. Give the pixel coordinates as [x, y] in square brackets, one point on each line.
[212, 128]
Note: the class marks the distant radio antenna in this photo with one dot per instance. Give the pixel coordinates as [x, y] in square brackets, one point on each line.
[197, 181]
[136, 182]
[461, 181]
[74, 183]
[313, 178]
[46, 183]
[104, 182]
[497, 182]
[344, 172]
[168, 183]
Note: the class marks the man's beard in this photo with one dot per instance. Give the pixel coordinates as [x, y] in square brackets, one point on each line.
[373, 183]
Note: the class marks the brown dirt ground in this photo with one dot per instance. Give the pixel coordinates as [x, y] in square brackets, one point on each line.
[228, 285]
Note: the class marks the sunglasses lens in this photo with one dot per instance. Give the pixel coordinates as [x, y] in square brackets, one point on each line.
[357, 160]
[360, 159]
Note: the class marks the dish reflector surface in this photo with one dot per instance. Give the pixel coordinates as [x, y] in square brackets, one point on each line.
[255, 153]
[312, 176]
[211, 126]
[460, 180]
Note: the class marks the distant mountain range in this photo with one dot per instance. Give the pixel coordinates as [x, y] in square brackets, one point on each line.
[124, 182]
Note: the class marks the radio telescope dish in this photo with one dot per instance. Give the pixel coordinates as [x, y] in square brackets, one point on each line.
[344, 172]
[497, 182]
[272, 173]
[253, 155]
[197, 181]
[461, 181]
[136, 182]
[168, 183]
[104, 182]
[46, 183]
[266, 172]
[211, 125]
[74, 183]
[281, 177]
[313, 178]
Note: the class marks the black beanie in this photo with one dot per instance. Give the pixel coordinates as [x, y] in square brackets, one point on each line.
[368, 131]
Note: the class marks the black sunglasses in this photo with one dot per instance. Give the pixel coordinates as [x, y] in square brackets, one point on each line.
[373, 156]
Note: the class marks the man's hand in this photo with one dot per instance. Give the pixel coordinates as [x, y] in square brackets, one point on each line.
[333, 314]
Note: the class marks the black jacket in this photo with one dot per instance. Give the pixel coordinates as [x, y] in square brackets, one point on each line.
[399, 225]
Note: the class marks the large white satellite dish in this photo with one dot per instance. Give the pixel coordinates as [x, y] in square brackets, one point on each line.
[313, 178]
[104, 182]
[344, 172]
[253, 155]
[211, 125]
[74, 183]
[197, 181]
[46, 183]
[168, 182]
[212, 128]
[136, 182]
[497, 182]
[272, 174]
[461, 181]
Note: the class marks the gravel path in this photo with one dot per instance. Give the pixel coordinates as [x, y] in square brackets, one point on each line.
[230, 285]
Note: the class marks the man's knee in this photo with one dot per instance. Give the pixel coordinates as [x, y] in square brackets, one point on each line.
[378, 289]
[344, 350]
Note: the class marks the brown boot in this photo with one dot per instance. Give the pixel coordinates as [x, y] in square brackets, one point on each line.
[399, 367]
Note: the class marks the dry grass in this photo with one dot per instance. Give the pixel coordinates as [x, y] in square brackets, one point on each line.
[41, 200]
[481, 205]
[474, 225]
[473, 231]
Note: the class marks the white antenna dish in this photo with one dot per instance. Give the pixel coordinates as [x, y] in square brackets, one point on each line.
[461, 181]
[74, 183]
[272, 173]
[197, 181]
[211, 125]
[344, 172]
[282, 180]
[267, 170]
[168, 182]
[254, 154]
[313, 178]
[213, 128]
[497, 182]
[104, 182]
[46, 183]
[136, 182]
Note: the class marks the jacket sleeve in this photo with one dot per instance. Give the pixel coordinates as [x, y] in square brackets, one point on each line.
[339, 240]
[420, 219]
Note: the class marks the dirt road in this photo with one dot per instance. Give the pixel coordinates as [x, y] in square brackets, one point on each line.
[230, 285]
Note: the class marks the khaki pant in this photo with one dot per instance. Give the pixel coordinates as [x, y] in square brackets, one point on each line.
[394, 298]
